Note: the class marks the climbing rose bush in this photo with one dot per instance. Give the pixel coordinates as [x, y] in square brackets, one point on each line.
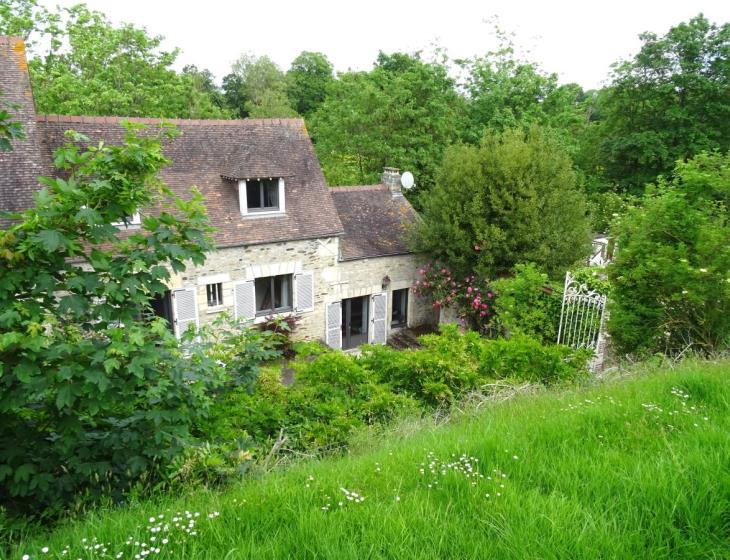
[470, 296]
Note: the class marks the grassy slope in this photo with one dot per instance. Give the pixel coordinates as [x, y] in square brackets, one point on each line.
[600, 473]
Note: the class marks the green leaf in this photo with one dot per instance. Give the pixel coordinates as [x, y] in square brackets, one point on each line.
[65, 397]
[50, 239]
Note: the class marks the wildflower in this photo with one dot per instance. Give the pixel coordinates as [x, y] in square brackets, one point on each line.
[44, 549]
[515, 457]
[26, 557]
[703, 270]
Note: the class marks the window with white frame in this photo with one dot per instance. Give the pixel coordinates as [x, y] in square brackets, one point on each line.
[273, 294]
[129, 221]
[214, 293]
[261, 196]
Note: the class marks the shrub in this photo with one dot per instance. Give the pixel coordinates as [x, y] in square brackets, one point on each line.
[94, 398]
[524, 358]
[528, 304]
[671, 276]
[472, 297]
[444, 367]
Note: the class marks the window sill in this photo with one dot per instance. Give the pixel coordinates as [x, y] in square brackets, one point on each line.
[217, 309]
[272, 214]
[262, 318]
[398, 325]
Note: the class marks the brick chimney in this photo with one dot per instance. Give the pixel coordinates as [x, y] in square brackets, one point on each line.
[20, 168]
[391, 178]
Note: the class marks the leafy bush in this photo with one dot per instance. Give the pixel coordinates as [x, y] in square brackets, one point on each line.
[471, 297]
[332, 395]
[528, 304]
[436, 373]
[525, 359]
[671, 275]
[93, 398]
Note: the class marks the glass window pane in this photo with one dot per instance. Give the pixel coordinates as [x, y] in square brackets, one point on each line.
[271, 193]
[263, 294]
[253, 194]
[399, 315]
[282, 291]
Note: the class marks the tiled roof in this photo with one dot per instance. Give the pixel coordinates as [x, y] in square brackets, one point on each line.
[374, 220]
[208, 151]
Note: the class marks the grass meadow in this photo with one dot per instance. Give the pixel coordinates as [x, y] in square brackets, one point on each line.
[637, 466]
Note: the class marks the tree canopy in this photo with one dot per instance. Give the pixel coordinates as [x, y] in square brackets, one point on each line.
[90, 67]
[403, 113]
[512, 199]
[256, 87]
[669, 103]
[308, 81]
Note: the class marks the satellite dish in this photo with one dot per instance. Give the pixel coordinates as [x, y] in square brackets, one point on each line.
[406, 180]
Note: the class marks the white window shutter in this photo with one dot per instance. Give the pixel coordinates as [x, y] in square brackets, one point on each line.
[380, 313]
[304, 284]
[185, 305]
[282, 198]
[334, 325]
[244, 300]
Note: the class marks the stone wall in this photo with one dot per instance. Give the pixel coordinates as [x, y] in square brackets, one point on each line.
[229, 265]
[333, 280]
[365, 277]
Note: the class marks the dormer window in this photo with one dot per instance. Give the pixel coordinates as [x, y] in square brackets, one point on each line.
[261, 196]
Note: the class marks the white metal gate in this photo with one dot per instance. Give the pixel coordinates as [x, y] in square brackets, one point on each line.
[582, 319]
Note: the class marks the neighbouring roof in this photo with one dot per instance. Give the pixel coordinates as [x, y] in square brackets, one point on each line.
[374, 220]
[213, 155]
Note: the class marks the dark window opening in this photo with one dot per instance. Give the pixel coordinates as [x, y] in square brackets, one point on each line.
[262, 195]
[273, 294]
[162, 307]
[355, 320]
[399, 316]
[215, 294]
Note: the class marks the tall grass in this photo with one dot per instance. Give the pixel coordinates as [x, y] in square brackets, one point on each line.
[633, 468]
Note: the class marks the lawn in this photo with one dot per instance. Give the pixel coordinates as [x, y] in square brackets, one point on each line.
[633, 467]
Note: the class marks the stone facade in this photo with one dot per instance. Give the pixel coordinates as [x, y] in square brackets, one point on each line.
[334, 280]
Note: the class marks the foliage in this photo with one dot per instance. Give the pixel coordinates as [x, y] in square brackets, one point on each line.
[256, 87]
[606, 206]
[90, 67]
[10, 129]
[23, 18]
[436, 374]
[308, 80]
[594, 278]
[526, 359]
[331, 396]
[512, 199]
[671, 276]
[401, 114]
[564, 454]
[527, 304]
[283, 329]
[470, 297]
[506, 92]
[95, 397]
[239, 348]
[670, 102]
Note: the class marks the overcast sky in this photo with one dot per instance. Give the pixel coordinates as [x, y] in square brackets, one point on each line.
[576, 39]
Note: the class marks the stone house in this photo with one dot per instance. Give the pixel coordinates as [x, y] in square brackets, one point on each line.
[286, 243]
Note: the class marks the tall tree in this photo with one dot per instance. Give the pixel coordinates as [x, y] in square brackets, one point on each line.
[256, 87]
[668, 103]
[505, 91]
[90, 67]
[403, 113]
[308, 80]
[512, 199]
